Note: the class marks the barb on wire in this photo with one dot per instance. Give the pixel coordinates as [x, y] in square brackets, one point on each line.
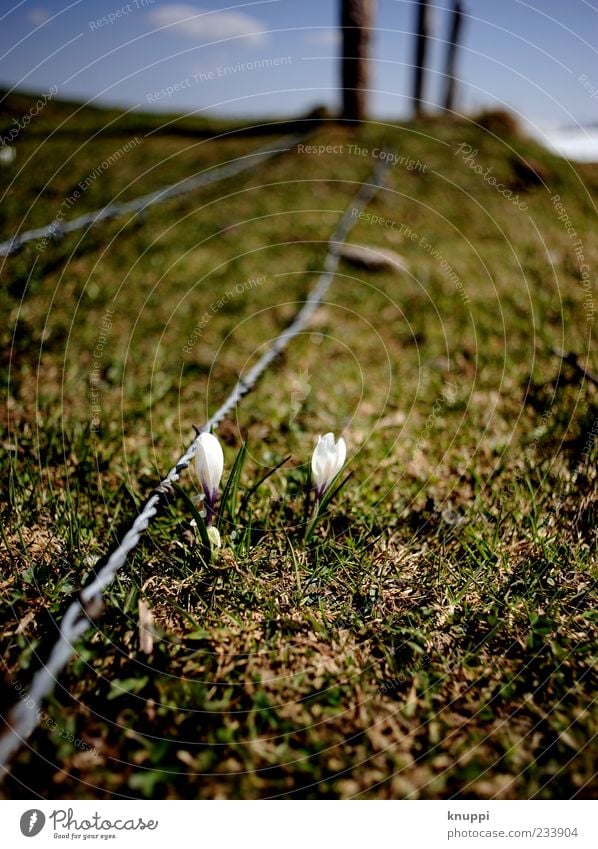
[56, 230]
[572, 359]
[23, 718]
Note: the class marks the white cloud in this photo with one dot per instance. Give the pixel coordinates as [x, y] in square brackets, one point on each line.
[324, 38]
[38, 16]
[208, 26]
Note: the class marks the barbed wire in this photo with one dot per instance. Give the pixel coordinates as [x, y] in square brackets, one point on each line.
[24, 716]
[56, 230]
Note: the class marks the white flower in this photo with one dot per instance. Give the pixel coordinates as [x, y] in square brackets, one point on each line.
[214, 537]
[209, 463]
[7, 155]
[327, 461]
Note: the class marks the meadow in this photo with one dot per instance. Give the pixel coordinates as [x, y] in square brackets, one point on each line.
[436, 636]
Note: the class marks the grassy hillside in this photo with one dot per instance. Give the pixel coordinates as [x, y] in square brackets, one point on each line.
[436, 637]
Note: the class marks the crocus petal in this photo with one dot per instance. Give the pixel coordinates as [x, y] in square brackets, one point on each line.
[214, 537]
[327, 461]
[209, 463]
[341, 454]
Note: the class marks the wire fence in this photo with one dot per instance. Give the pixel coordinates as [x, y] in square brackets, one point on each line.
[56, 230]
[24, 716]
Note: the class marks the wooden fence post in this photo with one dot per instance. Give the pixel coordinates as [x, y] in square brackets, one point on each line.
[451, 57]
[419, 64]
[356, 22]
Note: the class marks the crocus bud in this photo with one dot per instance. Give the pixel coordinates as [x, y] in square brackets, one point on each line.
[327, 461]
[209, 463]
[214, 537]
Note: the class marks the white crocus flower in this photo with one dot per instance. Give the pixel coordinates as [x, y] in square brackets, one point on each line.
[209, 464]
[327, 461]
[214, 537]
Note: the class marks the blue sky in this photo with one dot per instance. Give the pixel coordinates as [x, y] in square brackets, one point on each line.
[527, 56]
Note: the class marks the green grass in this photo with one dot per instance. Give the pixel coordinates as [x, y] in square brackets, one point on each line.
[436, 638]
